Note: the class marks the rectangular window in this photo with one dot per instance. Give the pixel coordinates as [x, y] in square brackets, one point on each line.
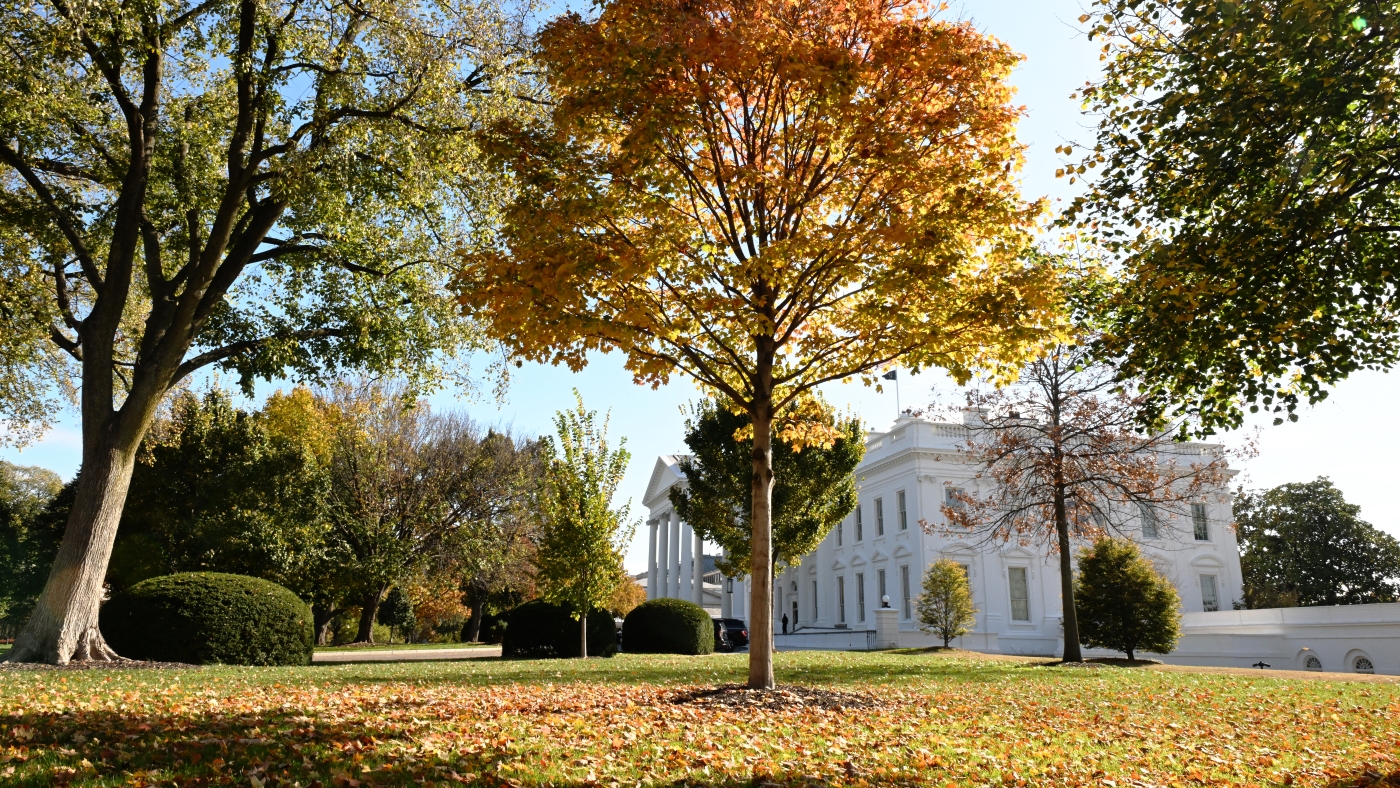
[904, 592]
[903, 513]
[860, 597]
[967, 575]
[879, 517]
[1199, 523]
[1210, 598]
[841, 600]
[1149, 521]
[950, 497]
[860, 525]
[880, 581]
[1020, 594]
[839, 528]
[816, 614]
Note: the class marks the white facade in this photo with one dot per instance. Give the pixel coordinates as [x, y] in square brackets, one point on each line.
[676, 554]
[882, 550]
[832, 597]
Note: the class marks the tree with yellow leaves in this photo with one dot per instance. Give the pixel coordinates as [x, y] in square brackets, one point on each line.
[766, 196]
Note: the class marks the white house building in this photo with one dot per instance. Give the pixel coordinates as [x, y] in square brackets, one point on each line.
[832, 598]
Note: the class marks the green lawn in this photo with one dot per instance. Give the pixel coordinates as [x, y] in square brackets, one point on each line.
[938, 719]
[404, 647]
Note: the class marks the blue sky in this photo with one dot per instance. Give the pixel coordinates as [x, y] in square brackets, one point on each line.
[1347, 437]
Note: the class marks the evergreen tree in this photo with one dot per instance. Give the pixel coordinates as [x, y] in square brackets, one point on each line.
[813, 489]
[945, 607]
[396, 612]
[1123, 603]
[1303, 544]
[582, 537]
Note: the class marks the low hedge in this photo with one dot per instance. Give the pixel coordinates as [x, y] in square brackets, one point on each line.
[205, 618]
[540, 629]
[668, 626]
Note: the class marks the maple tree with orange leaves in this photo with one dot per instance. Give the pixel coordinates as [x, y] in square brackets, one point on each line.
[767, 196]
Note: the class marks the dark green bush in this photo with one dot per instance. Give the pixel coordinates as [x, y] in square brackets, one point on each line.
[668, 626]
[209, 618]
[540, 629]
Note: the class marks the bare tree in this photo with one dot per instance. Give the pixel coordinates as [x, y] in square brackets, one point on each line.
[1060, 458]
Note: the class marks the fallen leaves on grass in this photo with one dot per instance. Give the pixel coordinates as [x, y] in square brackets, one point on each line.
[1096, 730]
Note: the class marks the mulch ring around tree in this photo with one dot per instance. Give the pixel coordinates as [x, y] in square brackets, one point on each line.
[126, 664]
[787, 696]
[1100, 662]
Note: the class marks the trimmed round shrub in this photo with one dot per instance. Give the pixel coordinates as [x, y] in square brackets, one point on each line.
[204, 618]
[668, 626]
[539, 630]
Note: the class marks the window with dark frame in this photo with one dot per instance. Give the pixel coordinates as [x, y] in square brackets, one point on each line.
[879, 517]
[903, 512]
[1199, 523]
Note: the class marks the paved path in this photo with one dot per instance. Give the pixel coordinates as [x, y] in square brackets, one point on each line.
[406, 655]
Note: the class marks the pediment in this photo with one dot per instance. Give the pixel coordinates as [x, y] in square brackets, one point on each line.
[838, 564]
[902, 552]
[857, 561]
[878, 557]
[665, 475]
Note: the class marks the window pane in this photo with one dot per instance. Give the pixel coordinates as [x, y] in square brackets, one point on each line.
[1210, 600]
[903, 513]
[1020, 594]
[1199, 522]
[860, 525]
[860, 596]
[904, 591]
[816, 614]
[880, 581]
[949, 497]
[879, 517]
[1149, 521]
[841, 600]
[840, 527]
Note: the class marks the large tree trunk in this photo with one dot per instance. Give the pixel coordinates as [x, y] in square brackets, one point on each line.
[474, 598]
[63, 625]
[583, 635]
[1072, 652]
[324, 615]
[761, 565]
[367, 611]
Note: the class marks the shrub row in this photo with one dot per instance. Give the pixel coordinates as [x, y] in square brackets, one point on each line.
[539, 629]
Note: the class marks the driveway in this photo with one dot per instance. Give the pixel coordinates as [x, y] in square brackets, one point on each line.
[405, 655]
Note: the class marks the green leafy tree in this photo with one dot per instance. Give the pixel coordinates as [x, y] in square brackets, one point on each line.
[266, 186]
[582, 538]
[396, 612]
[1303, 544]
[1248, 186]
[405, 491]
[32, 502]
[813, 489]
[1124, 604]
[215, 491]
[945, 607]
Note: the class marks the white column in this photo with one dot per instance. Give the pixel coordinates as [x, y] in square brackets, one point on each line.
[687, 567]
[651, 559]
[662, 565]
[673, 560]
[699, 573]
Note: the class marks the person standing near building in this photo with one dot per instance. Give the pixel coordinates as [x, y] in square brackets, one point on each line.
[785, 623]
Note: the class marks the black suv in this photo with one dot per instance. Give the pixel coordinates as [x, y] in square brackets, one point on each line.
[737, 631]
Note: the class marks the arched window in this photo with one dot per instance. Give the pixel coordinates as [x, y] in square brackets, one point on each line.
[1312, 663]
[1363, 665]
